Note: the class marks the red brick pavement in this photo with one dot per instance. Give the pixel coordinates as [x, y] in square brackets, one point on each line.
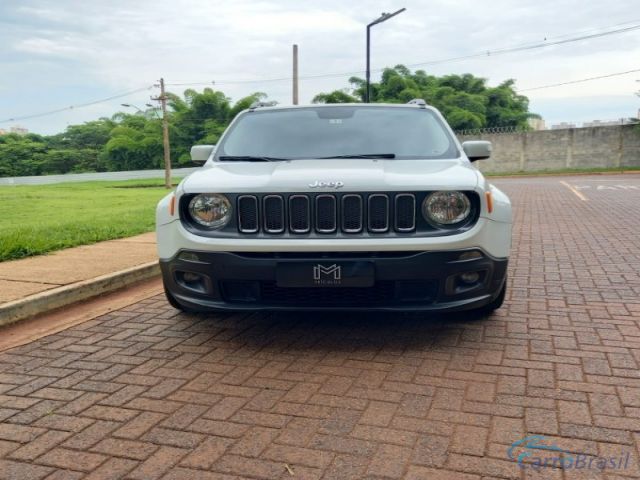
[147, 393]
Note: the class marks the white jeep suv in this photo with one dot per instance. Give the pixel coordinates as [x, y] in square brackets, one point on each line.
[336, 207]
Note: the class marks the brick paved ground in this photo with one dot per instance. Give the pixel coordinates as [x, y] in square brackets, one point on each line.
[145, 392]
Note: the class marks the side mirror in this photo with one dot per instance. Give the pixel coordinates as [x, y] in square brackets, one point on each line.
[201, 153]
[477, 150]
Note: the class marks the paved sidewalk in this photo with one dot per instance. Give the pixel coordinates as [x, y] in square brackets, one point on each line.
[145, 392]
[24, 277]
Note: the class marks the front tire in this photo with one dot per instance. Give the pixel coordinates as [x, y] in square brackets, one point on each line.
[496, 303]
[174, 303]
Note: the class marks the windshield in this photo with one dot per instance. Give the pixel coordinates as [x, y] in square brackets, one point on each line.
[341, 131]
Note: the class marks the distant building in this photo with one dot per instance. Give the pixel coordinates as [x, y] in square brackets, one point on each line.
[595, 123]
[3, 131]
[602, 123]
[537, 123]
[563, 125]
[608, 123]
[19, 130]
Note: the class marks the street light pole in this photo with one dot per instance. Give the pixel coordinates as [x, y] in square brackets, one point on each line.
[383, 18]
[143, 112]
[130, 105]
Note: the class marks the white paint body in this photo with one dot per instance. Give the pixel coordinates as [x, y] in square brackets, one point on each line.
[492, 232]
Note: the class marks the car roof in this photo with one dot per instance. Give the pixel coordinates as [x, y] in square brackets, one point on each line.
[334, 105]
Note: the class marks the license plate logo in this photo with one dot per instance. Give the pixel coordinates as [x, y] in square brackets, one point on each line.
[327, 275]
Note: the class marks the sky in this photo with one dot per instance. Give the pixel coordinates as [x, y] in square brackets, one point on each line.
[54, 54]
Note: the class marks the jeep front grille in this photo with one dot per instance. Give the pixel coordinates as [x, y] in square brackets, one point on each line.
[352, 213]
[405, 212]
[378, 213]
[248, 214]
[327, 213]
[299, 214]
[273, 214]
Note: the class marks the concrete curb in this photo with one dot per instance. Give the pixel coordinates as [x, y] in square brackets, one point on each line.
[46, 301]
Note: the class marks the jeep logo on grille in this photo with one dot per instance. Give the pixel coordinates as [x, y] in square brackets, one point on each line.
[318, 184]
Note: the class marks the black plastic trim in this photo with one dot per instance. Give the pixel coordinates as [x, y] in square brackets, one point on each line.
[422, 229]
[242, 268]
[308, 202]
[335, 213]
[395, 216]
[361, 202]
[255, 200]
[282, 216]
[386, 209]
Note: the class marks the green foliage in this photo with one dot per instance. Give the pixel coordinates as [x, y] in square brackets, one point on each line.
[337, 96]
[21, 155]
[125, 141]
[465, 100]
[134, 141]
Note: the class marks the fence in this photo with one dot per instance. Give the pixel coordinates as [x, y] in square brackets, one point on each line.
[589, 147]
[486, 131]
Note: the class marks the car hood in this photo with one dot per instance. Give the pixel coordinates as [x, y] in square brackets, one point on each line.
[332, 174]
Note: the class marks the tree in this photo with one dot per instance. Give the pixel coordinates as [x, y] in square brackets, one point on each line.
[337, 96]
[246, 102]
[465, 100]
[89, 138]
[134, 141]
[21, 155]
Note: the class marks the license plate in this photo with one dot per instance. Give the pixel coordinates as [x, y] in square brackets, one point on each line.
[325, 274]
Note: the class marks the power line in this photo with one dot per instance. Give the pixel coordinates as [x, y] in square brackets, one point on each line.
[80, 105]
[487, 53]
[579, 81]
[570, 82]
[543, 44]
[211, 82]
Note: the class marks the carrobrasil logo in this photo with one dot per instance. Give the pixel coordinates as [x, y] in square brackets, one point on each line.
[536, 452]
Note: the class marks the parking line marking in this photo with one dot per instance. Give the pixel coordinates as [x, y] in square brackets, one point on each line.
[578, 194]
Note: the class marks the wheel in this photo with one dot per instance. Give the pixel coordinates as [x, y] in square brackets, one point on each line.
[174, 303]
[496, 303]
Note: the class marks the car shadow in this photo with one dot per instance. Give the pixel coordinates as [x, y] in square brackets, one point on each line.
[340, 331]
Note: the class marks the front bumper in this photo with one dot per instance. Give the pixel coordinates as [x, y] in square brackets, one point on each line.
[402, 281]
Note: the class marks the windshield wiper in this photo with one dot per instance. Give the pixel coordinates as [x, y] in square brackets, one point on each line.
[248, 158]
[364, 155]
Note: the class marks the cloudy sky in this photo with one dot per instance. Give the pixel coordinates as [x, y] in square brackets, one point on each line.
[54, 54]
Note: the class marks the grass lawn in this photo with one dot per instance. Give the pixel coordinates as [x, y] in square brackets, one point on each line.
[42, 218]
[39, 219]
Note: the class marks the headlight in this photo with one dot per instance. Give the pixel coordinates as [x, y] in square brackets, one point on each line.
[210, 210]
[446, 208]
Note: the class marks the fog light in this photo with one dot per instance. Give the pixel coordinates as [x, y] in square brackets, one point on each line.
[189, 277]
[470, 277]
[470, 255]
[197, 282]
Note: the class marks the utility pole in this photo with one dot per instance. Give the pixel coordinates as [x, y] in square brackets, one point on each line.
[295, 74]
[165, 135]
